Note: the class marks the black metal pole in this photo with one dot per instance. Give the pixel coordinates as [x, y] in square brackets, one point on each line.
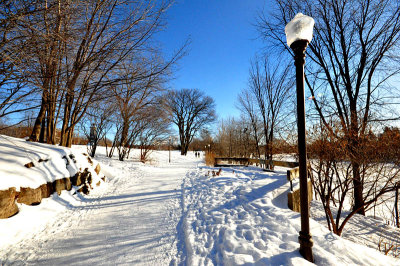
[396, 205]
[305, 239]
[169, 151]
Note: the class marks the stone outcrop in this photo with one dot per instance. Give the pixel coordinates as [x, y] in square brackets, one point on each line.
[59, 185]
[47, 189]
[97, 169]
[76, 180]
[30, 196]
[8, 207]
[68, 184]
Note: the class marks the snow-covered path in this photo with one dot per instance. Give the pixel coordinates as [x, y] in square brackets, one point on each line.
[174, 214]
[133, 220]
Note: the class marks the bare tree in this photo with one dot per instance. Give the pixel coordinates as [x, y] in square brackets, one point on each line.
[81, 44]
[235, 138]
[190, 110]
[136, 96]
[97, 123]
[14, 91]
[247, 105]
[47, 38]
[353, 56]
[270, 86]
[154, 131]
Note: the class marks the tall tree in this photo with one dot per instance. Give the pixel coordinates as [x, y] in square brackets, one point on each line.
[97, 123]
[154, 131]
[352, 57]
[47, 40]
[137, 94]
[79, 44]
[14, 91]
[190, 110]
[247, 105]
[270, 86]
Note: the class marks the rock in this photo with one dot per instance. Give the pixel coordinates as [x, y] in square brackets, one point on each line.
[30, 196]
[76, 180]
[72, 157]
[90, 160]
[29, 165]
[47, 190]
[84, 189]
[59, 185]
[98, 183]
[66, 159]
[103, 178]
[68, 184]
[8, 207]
[97, 169]
[86, 177]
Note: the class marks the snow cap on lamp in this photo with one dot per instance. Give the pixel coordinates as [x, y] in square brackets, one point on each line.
[299, 28]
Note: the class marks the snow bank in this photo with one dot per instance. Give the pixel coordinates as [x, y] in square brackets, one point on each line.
[241, 217]
[49, 163]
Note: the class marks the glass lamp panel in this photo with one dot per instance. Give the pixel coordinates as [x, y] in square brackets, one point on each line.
[299, 28]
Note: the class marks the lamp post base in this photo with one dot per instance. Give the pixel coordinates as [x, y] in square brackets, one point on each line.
[306, 244]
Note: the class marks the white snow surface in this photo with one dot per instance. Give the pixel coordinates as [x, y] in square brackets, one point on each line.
[50, 163]
[173, 214]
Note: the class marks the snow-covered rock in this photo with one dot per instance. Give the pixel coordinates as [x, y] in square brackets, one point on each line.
[31, 171]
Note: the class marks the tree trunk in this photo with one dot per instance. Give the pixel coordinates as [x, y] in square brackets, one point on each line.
[93, 151]
[70, 137]
[42, 135]
[396, 206]
[51, 125]
[38, 122]
[355, 157]
[64, 137]
[358, 190]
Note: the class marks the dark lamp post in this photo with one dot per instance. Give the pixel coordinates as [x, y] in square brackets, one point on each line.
[298, 35]
[169, 149]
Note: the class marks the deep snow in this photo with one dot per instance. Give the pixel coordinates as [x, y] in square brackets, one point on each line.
[50, 163]
[241, 217]
[131, 219]
[166, 214]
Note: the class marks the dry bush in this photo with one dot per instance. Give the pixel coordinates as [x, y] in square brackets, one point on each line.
[15, 131]
[210, 158]
[389, 247]
[333, 181]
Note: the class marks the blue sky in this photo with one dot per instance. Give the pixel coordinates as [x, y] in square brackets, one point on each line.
[223, 40]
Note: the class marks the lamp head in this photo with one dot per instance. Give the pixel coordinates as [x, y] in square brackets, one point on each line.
[299, 28]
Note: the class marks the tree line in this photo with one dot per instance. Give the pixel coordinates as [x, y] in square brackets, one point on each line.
[92, 65]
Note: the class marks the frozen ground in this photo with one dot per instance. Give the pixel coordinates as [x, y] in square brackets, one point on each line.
[241, 218]
[178, 213]
[131, 219]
